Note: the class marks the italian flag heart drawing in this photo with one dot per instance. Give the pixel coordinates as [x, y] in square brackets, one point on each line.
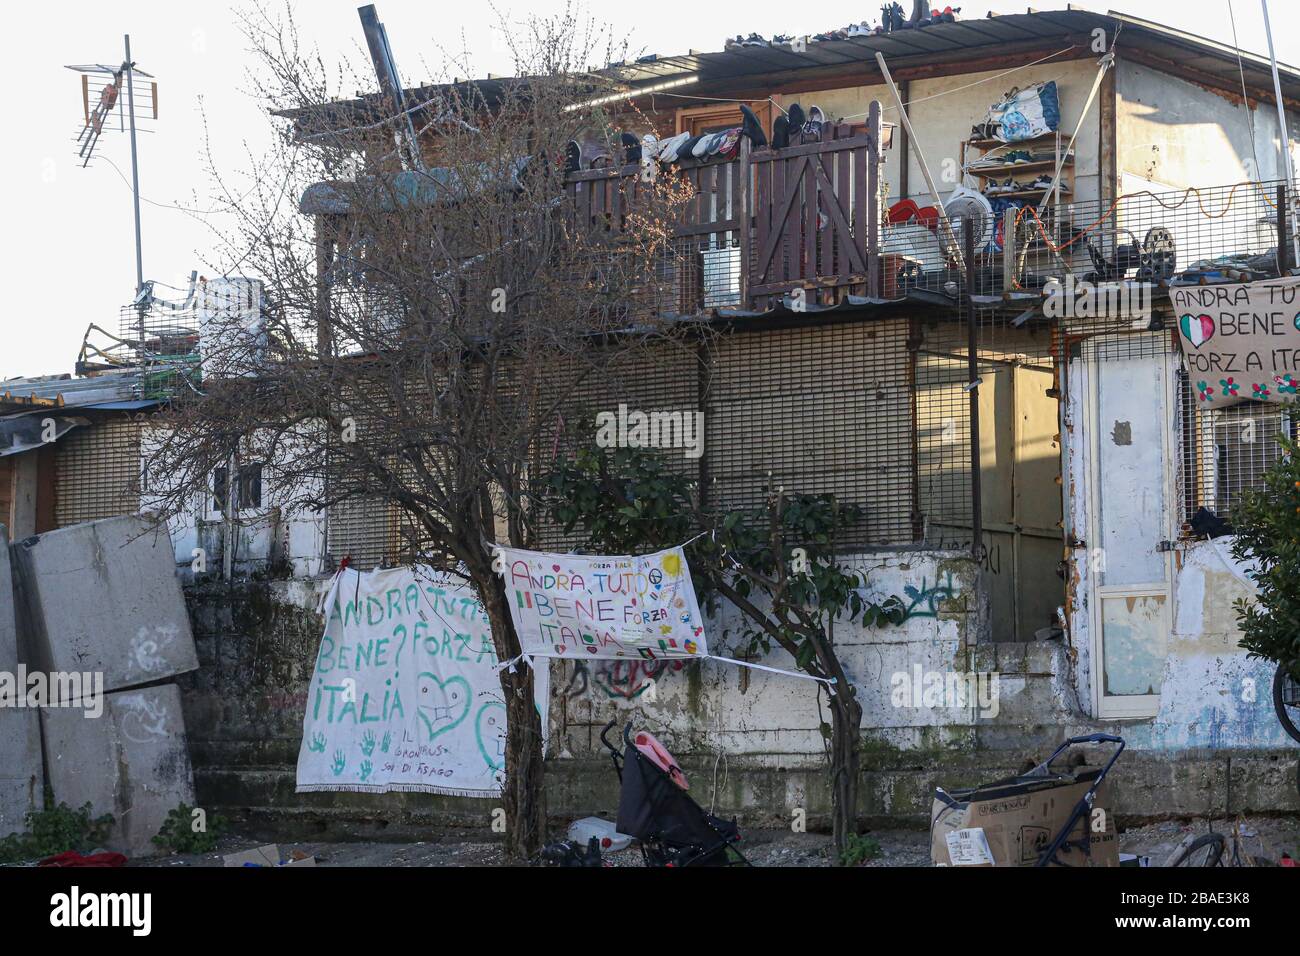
[1197, 329]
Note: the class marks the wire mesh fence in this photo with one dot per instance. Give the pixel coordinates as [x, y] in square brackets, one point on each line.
[1153, 239]
[883, 408]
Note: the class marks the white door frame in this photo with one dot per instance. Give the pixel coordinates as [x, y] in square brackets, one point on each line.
[1145, 705]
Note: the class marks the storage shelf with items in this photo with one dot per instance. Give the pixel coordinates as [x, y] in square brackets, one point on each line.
[1019, 170]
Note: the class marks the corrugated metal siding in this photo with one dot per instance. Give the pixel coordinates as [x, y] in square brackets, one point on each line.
[819, 410]
[98, 472]
[364, 531]
[824, 410]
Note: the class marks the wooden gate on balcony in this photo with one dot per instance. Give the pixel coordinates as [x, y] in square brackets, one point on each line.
[763, 225]
[816, 224]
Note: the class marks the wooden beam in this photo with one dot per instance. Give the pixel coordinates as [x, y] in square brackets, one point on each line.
[23, 504]
[1108, 139]
[46, 488]
[326, 230]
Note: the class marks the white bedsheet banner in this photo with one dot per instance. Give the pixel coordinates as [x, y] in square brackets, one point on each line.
[404, 695]
[569, 605]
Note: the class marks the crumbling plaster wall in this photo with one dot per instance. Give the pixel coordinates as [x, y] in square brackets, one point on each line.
[749, 740]
[1212, 695]
[713, 708]
[280, 532]
[257, 642]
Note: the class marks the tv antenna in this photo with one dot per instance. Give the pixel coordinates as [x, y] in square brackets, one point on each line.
[99, 113]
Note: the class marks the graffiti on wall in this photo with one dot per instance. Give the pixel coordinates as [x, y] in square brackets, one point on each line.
[925, 600]
[618, 679]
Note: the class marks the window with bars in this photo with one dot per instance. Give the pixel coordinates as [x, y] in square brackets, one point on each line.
[1226, 451]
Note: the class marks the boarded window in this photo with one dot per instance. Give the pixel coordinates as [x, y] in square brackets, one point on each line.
[98, 472]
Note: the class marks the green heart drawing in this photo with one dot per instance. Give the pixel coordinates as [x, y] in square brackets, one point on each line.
[498, 761]
[437, 696]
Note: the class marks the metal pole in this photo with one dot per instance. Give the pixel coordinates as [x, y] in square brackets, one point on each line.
[972, 389]
[1284, 262]
[390, 84]
[912, 141]
[1282, 130]
[135, 170]
[135, 198]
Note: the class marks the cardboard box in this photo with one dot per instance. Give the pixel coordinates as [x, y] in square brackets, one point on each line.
[1011, 822]
[268, 855]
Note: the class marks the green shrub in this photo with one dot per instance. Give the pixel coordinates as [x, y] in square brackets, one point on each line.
[180, 835]
[56, 830]
[859, 848]
[1267, 524]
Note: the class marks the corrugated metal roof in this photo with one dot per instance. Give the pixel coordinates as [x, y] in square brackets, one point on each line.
[64, 391]
[933, 43]
[945, 42]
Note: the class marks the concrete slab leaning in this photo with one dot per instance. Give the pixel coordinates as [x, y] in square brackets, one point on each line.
[132, 762]
[22, 786]
[8, 618]
[103, 596]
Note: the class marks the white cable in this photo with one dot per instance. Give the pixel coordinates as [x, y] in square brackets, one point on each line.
[167, 205]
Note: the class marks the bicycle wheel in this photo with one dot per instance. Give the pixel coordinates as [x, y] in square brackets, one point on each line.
[1286, 701]
[1203, 851]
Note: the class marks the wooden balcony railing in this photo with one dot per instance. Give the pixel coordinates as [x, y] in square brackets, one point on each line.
[764, 224]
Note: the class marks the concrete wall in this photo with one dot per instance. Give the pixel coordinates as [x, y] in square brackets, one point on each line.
[749, 741]
[8, 617]
[1211, 695]
[714, 708]
[1178, 134]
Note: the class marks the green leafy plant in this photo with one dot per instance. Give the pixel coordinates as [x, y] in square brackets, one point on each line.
[775, 562]
[859, 848]
[179, 835]
[56, 829]
[1267, 525]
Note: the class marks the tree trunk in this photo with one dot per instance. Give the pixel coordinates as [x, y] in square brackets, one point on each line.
[846, 765]
[525, 803]
[523, 796]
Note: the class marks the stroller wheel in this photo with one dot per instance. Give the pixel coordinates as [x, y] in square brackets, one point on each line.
[1205, 850]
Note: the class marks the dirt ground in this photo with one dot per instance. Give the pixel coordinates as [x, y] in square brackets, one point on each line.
[1263, 837]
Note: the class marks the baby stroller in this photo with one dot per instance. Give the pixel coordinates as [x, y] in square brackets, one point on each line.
[654, 808]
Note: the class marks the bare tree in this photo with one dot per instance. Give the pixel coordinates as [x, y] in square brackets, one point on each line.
[428, 314]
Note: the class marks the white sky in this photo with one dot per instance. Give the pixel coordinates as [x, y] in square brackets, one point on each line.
[68, 247]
